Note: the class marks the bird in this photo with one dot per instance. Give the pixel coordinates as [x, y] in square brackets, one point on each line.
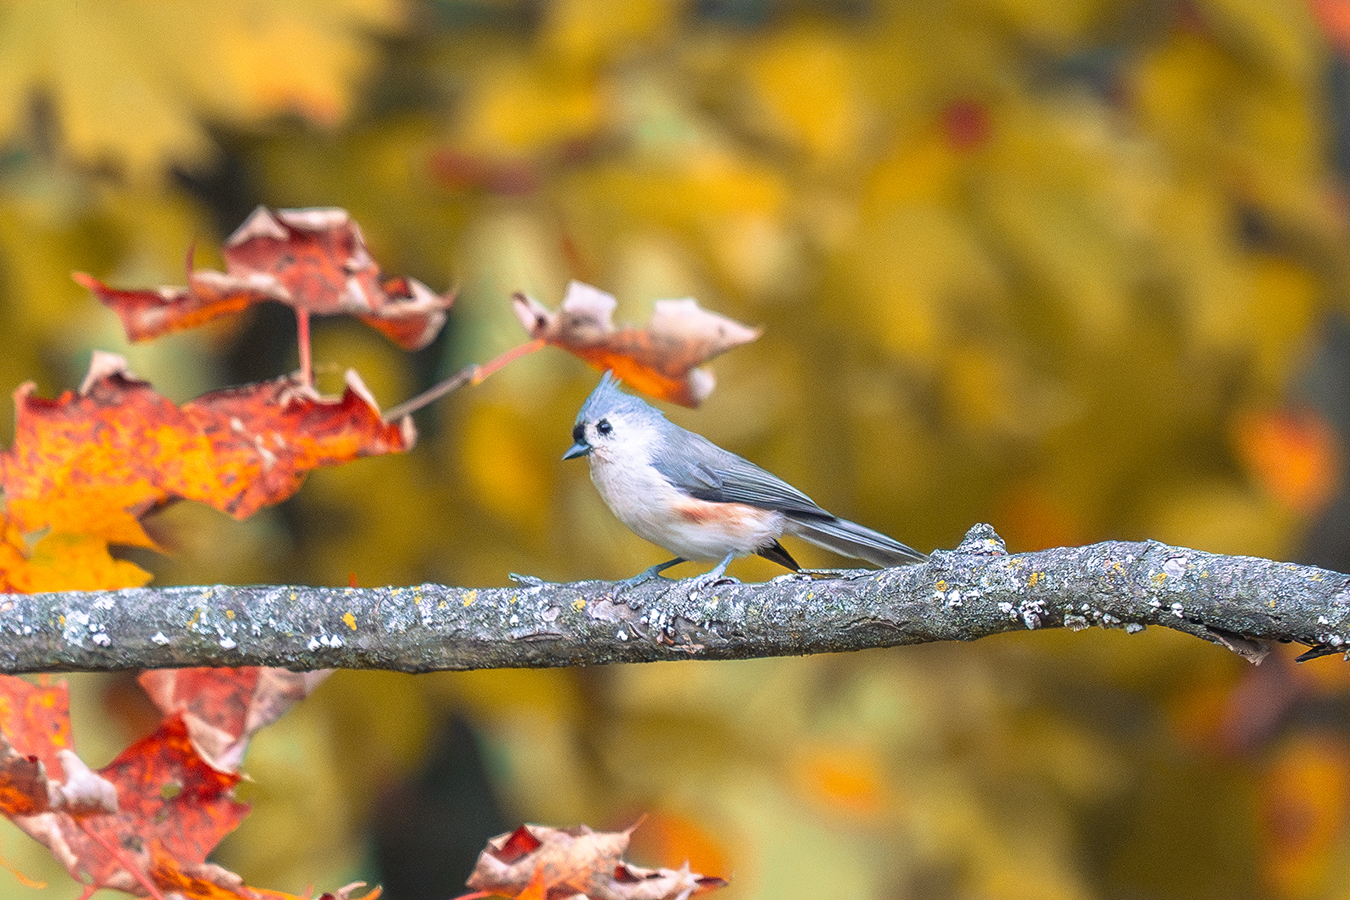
[679, 490]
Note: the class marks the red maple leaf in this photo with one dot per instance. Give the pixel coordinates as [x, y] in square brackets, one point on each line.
[223, 708]
[314, 260]
[167, 798]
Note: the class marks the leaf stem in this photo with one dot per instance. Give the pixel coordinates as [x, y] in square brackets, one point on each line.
[121, 857]
[470, 374]
[306, 356]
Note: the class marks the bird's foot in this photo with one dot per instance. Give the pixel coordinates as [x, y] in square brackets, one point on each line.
[715, 576]
[701, 584]
[646, 575]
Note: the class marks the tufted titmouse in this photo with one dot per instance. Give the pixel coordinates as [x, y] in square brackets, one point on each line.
[683, 492]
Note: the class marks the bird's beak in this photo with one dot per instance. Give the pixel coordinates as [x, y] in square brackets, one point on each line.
[580, 448]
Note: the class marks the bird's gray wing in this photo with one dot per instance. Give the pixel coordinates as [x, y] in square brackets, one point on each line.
[700, 468]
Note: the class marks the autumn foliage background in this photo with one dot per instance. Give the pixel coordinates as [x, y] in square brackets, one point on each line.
[1076, 269]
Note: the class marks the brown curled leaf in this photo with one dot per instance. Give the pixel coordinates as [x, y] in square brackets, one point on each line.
[660, 360]
[577, 862]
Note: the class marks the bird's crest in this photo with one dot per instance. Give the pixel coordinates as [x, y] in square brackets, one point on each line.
[607, 399]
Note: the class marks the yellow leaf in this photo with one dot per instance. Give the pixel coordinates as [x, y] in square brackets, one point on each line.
[128, 81]
[74, 562]
[588, 32]
[806, 92]
[515, 108]
[496, 461]
[1061, 23]
[906, 297]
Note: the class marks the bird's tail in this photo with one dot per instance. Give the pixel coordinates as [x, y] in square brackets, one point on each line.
[851, 539]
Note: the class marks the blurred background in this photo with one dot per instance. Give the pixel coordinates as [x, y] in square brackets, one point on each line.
[1074, 268]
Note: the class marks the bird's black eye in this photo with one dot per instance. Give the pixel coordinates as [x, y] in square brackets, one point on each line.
[579, 433]
[603, 427]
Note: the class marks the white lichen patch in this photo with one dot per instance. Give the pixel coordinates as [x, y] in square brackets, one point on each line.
[76, 626]
[1176, 566]
[324, 640]
[1029, 611]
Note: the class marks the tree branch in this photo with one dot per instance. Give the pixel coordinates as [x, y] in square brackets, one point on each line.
[971, 592]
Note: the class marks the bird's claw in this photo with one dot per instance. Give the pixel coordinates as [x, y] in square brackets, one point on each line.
[700, 584]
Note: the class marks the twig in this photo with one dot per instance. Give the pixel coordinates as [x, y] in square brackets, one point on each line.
[470, 374]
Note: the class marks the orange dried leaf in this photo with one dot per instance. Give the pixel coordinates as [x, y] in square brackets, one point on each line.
[842, 779]
[314, 260]
[536, 861]
[151, 312]
[35, 718]
[537, 889]
[207, 881]
[169, 877]
[23, 783]
[1294, 453]
[668, 834]
[1334, 18]
[1304, 800]
[93, 462]
[660, 360]
[265, 438]
[61, 562]
[223, 708]
[36, 755]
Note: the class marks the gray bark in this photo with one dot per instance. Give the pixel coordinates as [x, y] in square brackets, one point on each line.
[971, 592]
